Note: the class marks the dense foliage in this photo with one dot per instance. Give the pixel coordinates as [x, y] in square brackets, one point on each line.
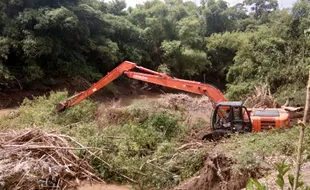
[238, 46]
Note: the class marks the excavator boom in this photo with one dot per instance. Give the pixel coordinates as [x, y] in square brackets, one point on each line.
[115, 73]
[214, 94]
[190, 86]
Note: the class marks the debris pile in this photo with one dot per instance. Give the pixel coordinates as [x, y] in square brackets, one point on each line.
[34, 159]
[111, 113]
[196, 110]
[185, 102]
[261, 97]
[191, 107]
[218, 173]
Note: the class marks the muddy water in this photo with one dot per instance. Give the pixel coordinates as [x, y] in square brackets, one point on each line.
[124, 101]
[103, 187]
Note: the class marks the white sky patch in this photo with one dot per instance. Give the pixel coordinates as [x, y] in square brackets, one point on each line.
[282, 3]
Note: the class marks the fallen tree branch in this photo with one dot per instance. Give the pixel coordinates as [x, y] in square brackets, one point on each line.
[161, 168]
[46, 147]
[86, 171]
[189, 144]
[91, 153]
[292, 109]
[48, 157]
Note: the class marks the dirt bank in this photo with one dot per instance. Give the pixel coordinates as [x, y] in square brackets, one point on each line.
[218, 174]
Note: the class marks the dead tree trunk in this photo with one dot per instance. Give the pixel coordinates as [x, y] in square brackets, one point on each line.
[302, 133]
[307, 101]
[299, 154]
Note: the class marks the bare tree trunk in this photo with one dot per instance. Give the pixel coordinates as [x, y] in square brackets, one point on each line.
[302, 124]
[301, 135]
[299, 153]
[307, 101]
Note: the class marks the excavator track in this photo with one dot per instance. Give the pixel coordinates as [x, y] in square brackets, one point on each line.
[216, 135]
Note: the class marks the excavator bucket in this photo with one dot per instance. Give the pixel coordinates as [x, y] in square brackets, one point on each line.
[64, 105]
[60, 107]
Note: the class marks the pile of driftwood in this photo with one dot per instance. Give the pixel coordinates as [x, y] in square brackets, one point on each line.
[185, 102]
[35, 159]
[261, 97]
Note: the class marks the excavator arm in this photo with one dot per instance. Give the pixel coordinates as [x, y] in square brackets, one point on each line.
[214, 94]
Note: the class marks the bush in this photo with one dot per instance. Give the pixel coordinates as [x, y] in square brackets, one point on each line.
[282, 169]
[238, 91]
[294, 93]
[41, 112]
[166, 123]
[146, 150]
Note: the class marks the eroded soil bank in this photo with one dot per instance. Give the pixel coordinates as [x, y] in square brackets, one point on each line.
[218, 173]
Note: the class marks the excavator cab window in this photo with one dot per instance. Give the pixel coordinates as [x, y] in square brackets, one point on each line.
[231, 117]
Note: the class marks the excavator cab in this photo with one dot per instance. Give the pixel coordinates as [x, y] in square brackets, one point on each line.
[231, 116]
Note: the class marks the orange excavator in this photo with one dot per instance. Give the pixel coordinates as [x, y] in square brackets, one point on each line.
[228, 116]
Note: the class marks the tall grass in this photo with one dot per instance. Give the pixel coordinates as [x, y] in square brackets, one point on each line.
[253, 149]
[146, 150]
